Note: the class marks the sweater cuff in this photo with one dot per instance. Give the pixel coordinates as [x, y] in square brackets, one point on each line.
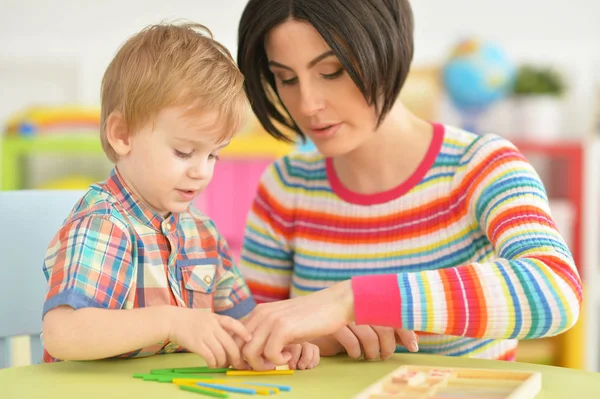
[377, 300]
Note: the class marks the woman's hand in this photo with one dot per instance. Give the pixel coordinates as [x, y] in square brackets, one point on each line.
[374, 342]
[274, 325]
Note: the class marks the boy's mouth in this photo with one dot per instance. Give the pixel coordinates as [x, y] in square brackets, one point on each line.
[187, 194]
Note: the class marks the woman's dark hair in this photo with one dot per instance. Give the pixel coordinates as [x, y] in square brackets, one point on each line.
[372, 39]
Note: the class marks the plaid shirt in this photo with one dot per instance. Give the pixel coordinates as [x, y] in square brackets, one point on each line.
[114, 252]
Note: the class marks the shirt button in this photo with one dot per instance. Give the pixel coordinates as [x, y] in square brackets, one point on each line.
[207, 279]
[168, 226]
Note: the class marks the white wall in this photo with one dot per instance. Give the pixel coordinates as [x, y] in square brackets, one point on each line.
[66, 44]
[565, 33]
[86, 34]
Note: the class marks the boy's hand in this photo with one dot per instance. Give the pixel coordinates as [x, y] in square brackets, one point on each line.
[304, 356]
[208, 335]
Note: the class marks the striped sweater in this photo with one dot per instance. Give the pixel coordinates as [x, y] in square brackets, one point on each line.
[465, 251]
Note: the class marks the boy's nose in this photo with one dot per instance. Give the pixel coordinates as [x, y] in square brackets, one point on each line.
[199, 172]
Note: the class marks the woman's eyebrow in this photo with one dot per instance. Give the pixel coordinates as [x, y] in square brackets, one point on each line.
[311, 64]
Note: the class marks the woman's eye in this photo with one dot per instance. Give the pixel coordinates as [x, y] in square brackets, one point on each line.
[294, 80]
[334, 75]
[290, 81]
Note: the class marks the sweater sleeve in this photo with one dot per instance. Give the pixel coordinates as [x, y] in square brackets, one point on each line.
[267, 258]
[531, 289]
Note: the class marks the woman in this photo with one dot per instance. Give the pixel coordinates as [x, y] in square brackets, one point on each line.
[440, 231]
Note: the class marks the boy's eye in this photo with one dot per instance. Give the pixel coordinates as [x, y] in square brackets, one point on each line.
[214, 157]
[183, 155]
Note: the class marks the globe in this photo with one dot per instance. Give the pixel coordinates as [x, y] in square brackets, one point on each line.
[477, 74]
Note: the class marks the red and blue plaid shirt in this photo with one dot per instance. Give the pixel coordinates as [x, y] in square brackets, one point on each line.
[114, 252]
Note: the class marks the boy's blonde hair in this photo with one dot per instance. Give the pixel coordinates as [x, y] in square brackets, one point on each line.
[172, 65]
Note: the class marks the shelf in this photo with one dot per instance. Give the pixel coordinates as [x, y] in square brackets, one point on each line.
[255, 146]
[247, 146]
[591, 255]
[552, 148]
[78, 142]
[577, 170]
[13, 148]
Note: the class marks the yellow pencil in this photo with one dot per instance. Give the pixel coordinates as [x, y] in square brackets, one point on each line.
[217, 393]
[178, 381]
[246, 373]
[259, 390]
[185, 381]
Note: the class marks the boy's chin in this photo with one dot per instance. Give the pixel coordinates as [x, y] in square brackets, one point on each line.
[178, 208]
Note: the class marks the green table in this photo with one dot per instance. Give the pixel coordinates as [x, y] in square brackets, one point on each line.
[338, 377]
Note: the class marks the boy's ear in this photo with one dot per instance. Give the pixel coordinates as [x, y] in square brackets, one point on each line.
[117, 134]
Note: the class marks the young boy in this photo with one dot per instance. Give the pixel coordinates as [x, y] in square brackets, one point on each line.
[134, 271]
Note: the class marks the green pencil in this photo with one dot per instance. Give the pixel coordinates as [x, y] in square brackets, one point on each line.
[205, 391]
[200, 370]
[177, 373]
[169, 377]
[194, 370]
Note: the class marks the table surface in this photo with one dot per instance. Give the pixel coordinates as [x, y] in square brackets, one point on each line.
[336, 377]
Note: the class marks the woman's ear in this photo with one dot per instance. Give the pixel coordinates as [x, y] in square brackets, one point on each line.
[117, 134]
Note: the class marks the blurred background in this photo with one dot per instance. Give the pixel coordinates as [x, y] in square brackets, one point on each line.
[528, 70]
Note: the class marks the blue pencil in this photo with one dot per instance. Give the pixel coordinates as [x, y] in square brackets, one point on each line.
[262, 384]
[227, 388]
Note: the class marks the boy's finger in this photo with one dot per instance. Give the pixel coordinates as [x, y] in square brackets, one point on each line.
[235, 326]
[306, 356]
[242, 365]
[295, 351]
[316, 357]
[239, 342]
[217, 349]
[206, 354]
[234, 355]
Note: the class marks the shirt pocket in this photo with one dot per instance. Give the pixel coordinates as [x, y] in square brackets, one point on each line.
[198, 282]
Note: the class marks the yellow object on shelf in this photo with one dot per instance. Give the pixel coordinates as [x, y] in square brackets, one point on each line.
[13, 147]
[256, 145]
[69, 183]
[53, 119]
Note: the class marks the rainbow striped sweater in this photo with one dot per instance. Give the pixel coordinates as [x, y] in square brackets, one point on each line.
[465, 251]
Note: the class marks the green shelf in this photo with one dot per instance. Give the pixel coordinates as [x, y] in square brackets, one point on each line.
[14, 148]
